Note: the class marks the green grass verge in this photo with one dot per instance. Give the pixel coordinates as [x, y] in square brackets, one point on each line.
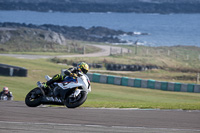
[102, 95]
[178, 63]
[129, 97]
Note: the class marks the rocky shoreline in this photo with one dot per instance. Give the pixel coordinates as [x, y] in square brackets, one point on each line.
[94, 34]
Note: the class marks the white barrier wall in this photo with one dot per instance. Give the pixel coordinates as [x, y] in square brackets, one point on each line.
[197, 88]
[131, 82]
[144, 83]
[170, 86]
[117, 81]
[158, 85]
[184, 87]
[103, 79]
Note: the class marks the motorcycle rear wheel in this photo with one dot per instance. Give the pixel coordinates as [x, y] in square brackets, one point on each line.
[33, 102]
[80, 100]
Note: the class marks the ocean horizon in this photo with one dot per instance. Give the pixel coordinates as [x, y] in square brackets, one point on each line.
[161, 29]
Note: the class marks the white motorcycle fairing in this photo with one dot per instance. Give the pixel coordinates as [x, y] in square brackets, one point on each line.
[71, 92]
[81, 83]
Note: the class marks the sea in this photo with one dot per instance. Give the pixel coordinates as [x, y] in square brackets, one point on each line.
[159, 29]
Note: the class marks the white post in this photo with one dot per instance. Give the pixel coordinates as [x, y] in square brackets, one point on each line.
[84, 49]
[68, 48]
[158, 51]
[168, 53]
[187, 57]
[11, 71]
[45, 47]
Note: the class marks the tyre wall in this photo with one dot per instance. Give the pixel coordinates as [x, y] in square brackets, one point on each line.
[91, 65]
[8, 70]
[123, 67]
[143, 83]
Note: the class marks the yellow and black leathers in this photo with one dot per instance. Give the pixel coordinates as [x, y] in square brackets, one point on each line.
[72, 72]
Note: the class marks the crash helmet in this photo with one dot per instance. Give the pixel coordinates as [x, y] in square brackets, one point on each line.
[5, 89]
[83, 67]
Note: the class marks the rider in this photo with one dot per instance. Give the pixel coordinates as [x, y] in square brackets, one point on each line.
[71, 72]
[7, 93]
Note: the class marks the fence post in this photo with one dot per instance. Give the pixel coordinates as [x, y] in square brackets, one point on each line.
[110, 50]
[84, 49]
[168, 53]
[147, 51]
[187, 57]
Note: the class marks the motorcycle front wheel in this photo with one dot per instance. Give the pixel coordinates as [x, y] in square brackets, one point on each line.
[33, 98]
[73, 102]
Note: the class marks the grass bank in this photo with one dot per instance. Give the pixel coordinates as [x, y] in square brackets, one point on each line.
[128, 97]
[177, 63]
[102, 95]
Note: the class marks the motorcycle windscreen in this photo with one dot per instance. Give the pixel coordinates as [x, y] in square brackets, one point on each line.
[70, 79]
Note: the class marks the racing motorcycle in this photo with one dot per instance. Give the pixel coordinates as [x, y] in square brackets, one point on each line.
[71, 92]
[5, 98]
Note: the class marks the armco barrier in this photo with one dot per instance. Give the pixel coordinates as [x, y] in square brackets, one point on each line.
[103, 79]
[197, 88]
[170, 86]
[110, 79]
[151, 84]
[124, 81]
[164, 86]
[142, 83]
[158, 85]
[96, 77]
[137, 82]
[131, 82]
[177, 87]
[117, 80]
[184, 87]
[190, 88]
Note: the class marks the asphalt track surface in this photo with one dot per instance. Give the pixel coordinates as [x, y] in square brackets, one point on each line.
[16, 117]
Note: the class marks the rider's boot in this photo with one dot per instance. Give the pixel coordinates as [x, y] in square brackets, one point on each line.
[48, 90]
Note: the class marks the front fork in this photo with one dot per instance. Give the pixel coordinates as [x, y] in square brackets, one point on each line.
[40, 86]
[76, 93]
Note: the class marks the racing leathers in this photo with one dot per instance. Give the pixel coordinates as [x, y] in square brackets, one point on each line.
[8, 95]
[71, 72]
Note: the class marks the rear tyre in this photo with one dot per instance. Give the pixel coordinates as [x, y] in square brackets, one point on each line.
[72, 102]
[33, 98]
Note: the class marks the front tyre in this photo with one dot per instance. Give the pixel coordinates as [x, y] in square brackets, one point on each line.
[33, 98]
[73, 102]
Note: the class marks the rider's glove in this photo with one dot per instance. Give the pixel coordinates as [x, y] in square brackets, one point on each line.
[73, 75]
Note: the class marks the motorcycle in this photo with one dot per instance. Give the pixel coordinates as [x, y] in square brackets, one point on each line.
[71, 92]
[5, 98]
